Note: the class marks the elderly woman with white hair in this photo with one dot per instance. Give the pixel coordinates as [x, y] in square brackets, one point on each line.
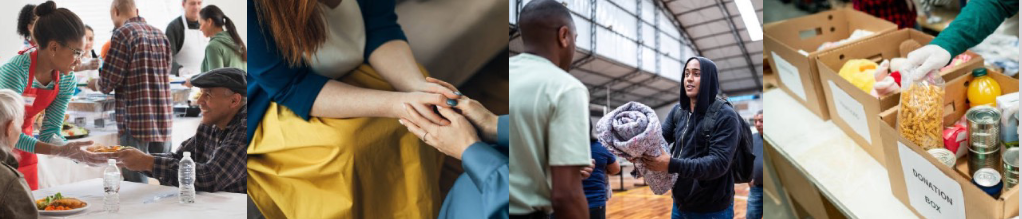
[15, 199]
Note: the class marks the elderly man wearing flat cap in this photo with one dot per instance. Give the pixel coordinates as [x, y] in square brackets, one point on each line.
[218, 147]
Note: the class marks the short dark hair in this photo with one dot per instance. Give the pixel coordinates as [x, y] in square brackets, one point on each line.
[543, 14]
[26, 17]
[760, 112]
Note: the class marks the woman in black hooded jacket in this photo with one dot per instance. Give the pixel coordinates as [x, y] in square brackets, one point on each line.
[702, 160]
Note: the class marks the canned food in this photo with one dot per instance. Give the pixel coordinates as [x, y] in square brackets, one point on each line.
[983, 157]
[984, 126]
[988, 180]
[984, 136]
[945, 156]
[1011, 168]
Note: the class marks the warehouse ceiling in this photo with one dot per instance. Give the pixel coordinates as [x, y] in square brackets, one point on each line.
[617, 74]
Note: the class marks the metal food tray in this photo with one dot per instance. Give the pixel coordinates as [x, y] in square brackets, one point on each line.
[94, 106]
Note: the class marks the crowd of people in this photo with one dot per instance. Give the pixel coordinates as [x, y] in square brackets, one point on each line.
[557, 173]
[135, 67]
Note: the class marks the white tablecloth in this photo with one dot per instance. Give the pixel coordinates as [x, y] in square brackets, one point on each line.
[138, 201]
[54, 171]
[844, 173]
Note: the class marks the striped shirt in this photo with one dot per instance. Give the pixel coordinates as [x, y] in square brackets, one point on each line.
[137, 67]
[219, 155]
[14, 76]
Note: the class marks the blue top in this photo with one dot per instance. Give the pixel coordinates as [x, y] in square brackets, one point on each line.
[270, 79]
[596, 185]
[482, 191]
[757, 148]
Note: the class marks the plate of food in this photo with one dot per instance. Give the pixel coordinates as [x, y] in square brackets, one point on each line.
[71, 131]
[58, 205]
[105, 149]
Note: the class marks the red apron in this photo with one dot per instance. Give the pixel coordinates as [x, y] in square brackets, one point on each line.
[36, 101]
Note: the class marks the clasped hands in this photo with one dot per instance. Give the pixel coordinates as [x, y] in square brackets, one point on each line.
[457, 123]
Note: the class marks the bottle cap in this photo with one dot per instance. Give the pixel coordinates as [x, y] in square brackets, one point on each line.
[111, 161]
[188, 154]
[979, 72]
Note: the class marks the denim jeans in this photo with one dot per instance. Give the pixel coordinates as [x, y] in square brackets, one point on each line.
[598, 212]
[728, 213]
[754, 208]
[146, 147]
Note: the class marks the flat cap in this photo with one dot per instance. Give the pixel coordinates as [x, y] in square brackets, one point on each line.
[230, 78]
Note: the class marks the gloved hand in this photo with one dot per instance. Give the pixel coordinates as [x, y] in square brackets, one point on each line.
[884, 82]
[885, 87]
[925, 60]
[73, 151]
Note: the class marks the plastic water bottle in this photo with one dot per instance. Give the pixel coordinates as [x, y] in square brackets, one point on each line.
[186, 178]
[111, 187]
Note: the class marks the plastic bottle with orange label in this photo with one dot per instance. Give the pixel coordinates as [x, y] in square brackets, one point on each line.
[983, 90]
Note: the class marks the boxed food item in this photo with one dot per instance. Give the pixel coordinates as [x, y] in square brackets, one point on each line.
[854, 110]
[792, 46]
[929, 187]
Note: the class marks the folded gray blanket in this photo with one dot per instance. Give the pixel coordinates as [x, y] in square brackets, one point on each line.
[633, 131]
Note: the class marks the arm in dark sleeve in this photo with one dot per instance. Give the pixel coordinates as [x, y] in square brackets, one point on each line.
[175, 33]
[165, 165]
[667, 129]
[295, 87]
[488, 170]
[225, 166]
[380, 24]
[723, 143]
[977, 20]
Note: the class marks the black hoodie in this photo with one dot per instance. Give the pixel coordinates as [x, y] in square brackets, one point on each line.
[703, 164]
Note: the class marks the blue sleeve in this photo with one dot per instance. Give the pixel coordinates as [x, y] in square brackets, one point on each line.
[294, 87]
[722, 146]
[503, 133]
[610, 157]
[488, 170]
[380, 24]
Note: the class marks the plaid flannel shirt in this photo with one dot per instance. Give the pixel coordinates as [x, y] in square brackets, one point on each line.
[220, 157]
[895, 11]
[137, 67]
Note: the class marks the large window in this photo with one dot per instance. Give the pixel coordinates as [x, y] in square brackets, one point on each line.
[512, 16]
[620, 38]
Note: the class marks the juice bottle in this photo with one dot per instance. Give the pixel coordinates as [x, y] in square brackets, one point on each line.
[983, 90]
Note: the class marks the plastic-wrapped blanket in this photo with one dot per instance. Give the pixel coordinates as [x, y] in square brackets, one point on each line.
[633, 131]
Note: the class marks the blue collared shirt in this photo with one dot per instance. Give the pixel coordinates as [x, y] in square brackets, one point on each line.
[482, 191]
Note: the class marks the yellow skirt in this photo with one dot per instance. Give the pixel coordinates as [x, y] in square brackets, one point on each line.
[342, 168]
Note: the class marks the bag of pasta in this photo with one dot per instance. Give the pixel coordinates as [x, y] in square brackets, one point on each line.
[921, 113]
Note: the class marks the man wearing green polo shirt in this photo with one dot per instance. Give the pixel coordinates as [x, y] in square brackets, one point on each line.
[550, 118]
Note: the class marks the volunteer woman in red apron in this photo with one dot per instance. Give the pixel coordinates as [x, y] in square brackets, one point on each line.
[44, 79]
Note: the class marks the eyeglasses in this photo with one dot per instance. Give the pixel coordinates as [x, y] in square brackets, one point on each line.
[77, 52]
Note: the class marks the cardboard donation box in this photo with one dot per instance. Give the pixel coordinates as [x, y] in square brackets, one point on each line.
[792, 46]
[932, 189]
[854, 110]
